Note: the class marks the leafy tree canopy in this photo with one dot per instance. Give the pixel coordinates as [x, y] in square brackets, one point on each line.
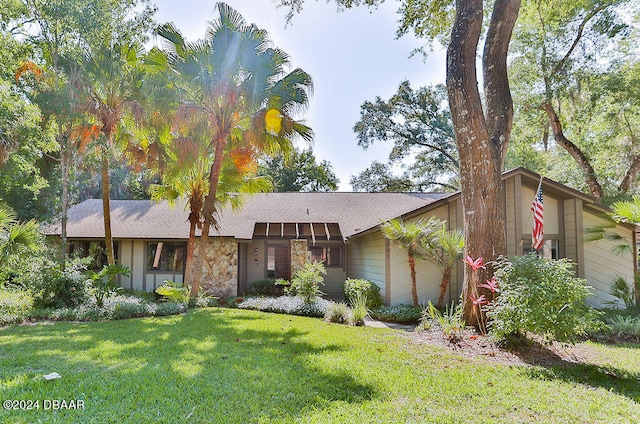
[298, 172]
[418, 123]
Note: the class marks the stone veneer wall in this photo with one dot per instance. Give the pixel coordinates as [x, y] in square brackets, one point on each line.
[220, 267]
[298, 255]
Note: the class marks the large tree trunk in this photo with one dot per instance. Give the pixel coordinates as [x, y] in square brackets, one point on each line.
[481, 142]
[578, 155]
[106, 209]
[65, 159]
[209, 211]
[414, 286]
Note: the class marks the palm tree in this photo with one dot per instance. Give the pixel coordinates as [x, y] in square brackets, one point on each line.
[409, 237]
[111, 79]
[444, 248]
[189, 183]
[16, 237]
[235, 82]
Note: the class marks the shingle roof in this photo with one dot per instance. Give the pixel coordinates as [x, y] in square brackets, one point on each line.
[143, 219]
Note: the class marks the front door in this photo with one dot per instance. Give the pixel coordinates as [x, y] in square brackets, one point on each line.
[282, 263]
[278, 262]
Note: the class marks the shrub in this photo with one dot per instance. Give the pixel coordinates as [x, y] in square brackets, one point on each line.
[266, 287]
[292, 305]
[623, 326]
[338, 313]
[450, 321]
[15, 301]
[360, 311]
[54, 288]
[306, 282]
[170, 308]
[403, 314]
[15, 306]
[621, 291]
[103, 282]
[123, 307]
[540, 296]
[173, 292]
[352, 287]
[204, 301]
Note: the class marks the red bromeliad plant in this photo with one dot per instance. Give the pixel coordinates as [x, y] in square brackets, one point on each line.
[479, 300]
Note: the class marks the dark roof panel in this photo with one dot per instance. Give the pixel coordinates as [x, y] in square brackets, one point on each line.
[143, 219]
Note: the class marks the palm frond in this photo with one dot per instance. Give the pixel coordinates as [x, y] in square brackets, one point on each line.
[20, 236]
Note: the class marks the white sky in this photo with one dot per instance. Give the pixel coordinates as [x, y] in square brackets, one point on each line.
[352, 56]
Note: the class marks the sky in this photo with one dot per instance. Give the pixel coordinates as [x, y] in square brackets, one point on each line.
[352, 56]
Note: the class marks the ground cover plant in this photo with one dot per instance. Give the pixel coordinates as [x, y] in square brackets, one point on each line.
[399, 313]
[233, 365]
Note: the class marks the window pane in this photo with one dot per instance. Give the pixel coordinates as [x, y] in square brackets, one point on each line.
[271, 262]
[318, 254]
[166, 256]
[335, 256]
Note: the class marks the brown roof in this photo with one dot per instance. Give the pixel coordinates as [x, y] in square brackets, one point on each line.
[143, 219]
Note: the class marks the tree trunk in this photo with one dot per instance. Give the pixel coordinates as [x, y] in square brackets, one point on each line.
[106, 209]
[209, 211]
[589, 173]
[414, 286]
[64, 170]
[191, 247]
[630, 175]
[446, 277]
[481, 142]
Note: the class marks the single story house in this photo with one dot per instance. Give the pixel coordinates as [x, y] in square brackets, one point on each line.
[273, 234]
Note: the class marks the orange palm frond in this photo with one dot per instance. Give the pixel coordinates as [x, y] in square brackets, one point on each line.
[84, 135]
[244, 159]
[137, 156]
[30, 67]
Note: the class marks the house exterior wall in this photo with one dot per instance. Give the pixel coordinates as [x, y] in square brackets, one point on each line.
[242, 268]
[428, 275]
[256, 261]
[126, 258]
[512, 221]
[366, 260]
[602, 265]
[573, 233]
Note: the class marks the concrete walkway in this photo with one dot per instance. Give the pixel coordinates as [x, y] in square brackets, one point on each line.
[380, 324]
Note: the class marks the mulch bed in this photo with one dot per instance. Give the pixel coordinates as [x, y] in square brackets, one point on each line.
[483, 348]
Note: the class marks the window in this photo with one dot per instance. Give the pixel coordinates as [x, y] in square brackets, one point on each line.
[166, 256]
[94, 249]
[553, 245]
[331, 256]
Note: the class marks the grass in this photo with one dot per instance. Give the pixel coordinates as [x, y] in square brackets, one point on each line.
[229, 365]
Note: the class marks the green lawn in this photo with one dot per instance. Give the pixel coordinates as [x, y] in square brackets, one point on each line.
[226, 365]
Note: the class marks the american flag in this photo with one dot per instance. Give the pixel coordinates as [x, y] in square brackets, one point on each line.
[537, 236]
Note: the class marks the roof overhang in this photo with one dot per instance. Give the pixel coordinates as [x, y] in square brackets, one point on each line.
[323, 231]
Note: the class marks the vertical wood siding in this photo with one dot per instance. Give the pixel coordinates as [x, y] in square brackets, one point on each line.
[510, 202]
[428, 276]
[366, 260]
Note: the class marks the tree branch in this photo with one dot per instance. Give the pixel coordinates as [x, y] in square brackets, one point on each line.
[577, 39]
[634, 168]
[499, 115]
[590, 175]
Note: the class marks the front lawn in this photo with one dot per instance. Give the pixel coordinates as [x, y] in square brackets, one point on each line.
[228, 365]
